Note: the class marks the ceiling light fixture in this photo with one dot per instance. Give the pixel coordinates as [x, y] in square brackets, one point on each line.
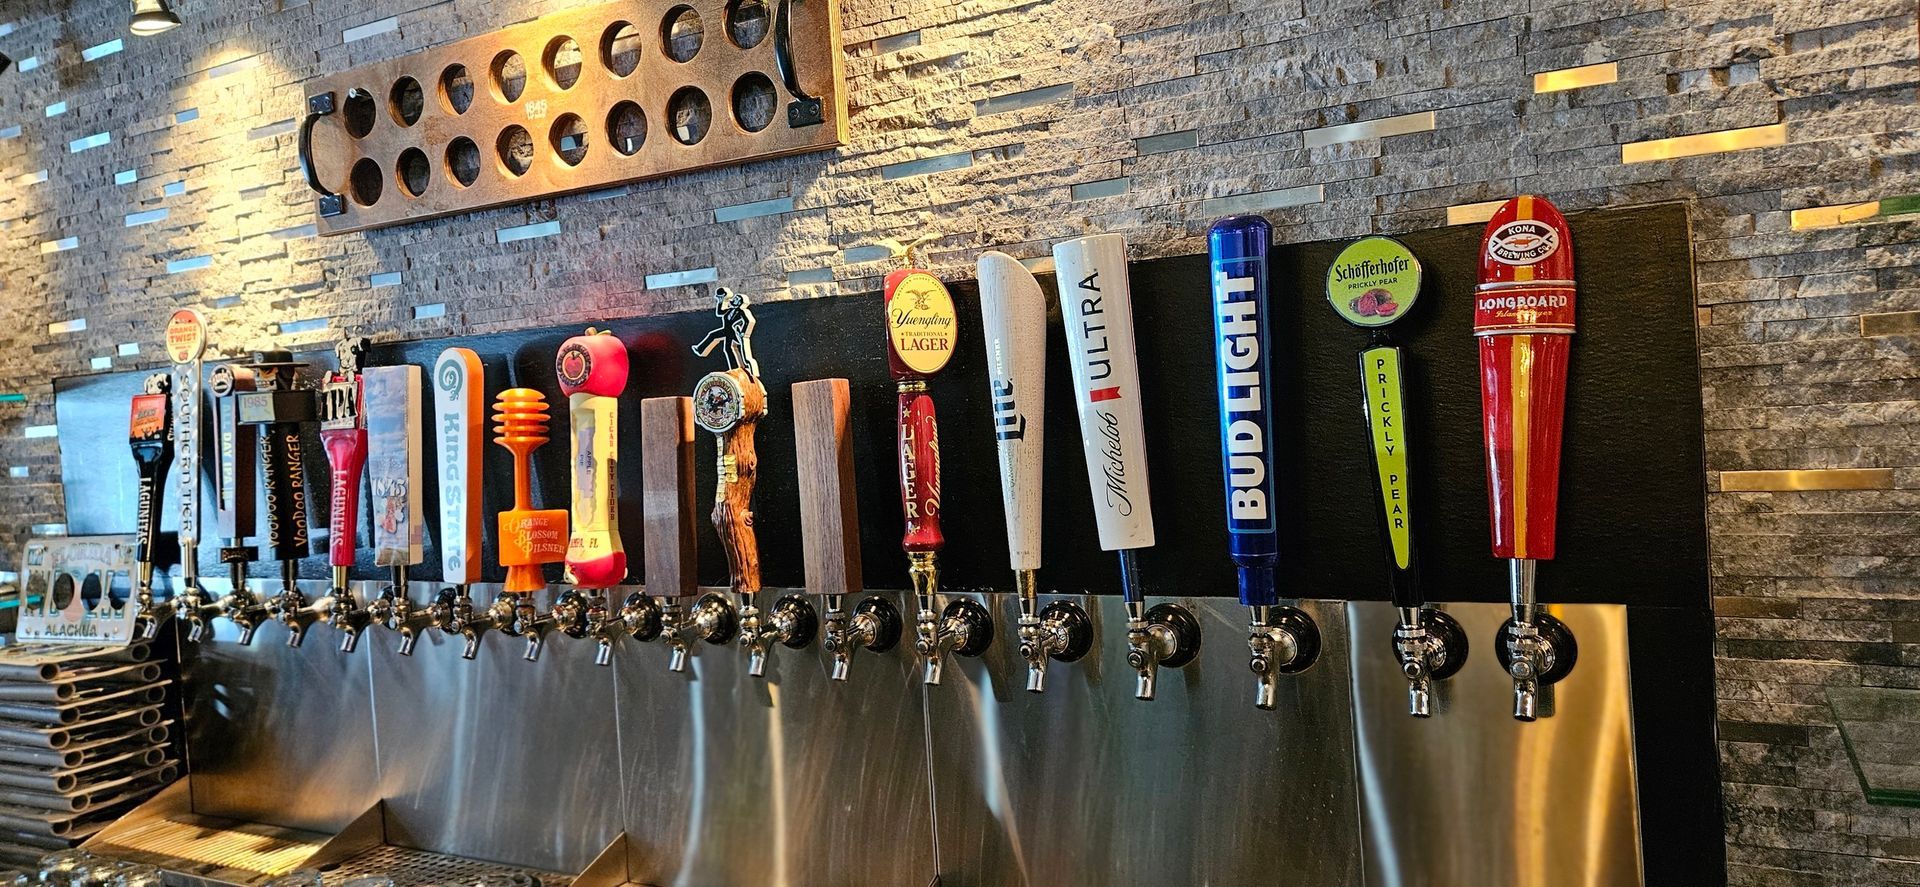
[152, 17]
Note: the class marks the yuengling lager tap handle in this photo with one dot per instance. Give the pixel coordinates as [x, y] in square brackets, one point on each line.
[1524, 319]
[593, 372]
[921, 328]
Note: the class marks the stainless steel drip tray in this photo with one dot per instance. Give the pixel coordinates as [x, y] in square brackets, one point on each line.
[203, 850]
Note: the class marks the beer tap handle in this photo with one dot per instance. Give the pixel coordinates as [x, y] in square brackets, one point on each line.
[593, 372]
[186, 342]
[150, 435]
[393, 471]
[1524, 320]
[343, 435]
[528, 537]
[830, 523]
[280, 407]
[459, 407]
[671, 535]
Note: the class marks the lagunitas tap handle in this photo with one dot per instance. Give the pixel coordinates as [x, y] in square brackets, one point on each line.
[921, 335]
[730, 404]
[459, 409]
[235, 476]
[150, 435]
[1374, 282]
[278, 407]
[1096, 304]
[528, 537]
[1013, 317]
[343, 434]
[394, 471]
[1524, 318]
[186, 343]
[1280, 639]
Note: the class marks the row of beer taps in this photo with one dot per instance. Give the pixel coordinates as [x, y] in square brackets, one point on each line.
[369, 421]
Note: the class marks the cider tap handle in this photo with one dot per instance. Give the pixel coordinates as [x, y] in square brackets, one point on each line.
[593, 372]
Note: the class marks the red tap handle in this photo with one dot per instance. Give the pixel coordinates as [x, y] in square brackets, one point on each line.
[921, 328]
[346, 457]
[920, 470]
[1523, 315]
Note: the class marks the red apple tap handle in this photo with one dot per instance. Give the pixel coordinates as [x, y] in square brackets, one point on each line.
[593, 372]
[343, 434]
[921, 328]
[1524, 318]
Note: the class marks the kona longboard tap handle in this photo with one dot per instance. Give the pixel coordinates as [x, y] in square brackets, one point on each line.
[730, 404]
[186, 344]
[528, 537]
[1281, 639]
[278, 407]
[593, 372]
[1096, 303]
[921, 335]
[1524, 319]
[150, 436]
[235, 476]
[1013, 317]
[343, 435]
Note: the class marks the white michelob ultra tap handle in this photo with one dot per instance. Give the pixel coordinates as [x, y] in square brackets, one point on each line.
[1013, 312]
[392, 396]
[1098, 309]
[459, 412]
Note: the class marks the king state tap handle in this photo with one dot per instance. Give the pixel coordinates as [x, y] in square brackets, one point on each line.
[343, 434]
[150, 434]
[921, 334]
[394, 464]
[1013, 314]
[1523, 314]
[1237, 249]
[1096, 303]
[459, 409]
[593, 371]
[1371, 284]
[730, 404]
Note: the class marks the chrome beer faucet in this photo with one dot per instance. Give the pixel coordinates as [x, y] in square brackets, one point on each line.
[395, 611]
[830, 524]
[234, 479]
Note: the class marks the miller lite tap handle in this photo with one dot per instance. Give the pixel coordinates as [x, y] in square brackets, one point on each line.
[150, 434]
[459, 410]
[1524, 317]
[280, 407]
[1371, 284]
[1237, 248]
[343, 434]
[1097, 306]
[1013, 315]
[528, 538]
[921, 328]
[593, 371]
[729, 404]
[393, 464]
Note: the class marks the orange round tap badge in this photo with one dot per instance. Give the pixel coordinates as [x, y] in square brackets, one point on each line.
[1374, 281]
[921, 322]
[186, 336]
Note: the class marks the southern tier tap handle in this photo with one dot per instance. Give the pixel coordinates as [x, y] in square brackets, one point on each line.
[150, 434]
[593, 372]
[829, 505]
[528, 538]
[343, 434]
[666, 478]
[1013, 313]
[921, 327]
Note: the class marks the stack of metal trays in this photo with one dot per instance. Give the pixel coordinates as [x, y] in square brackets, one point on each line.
[85, 735]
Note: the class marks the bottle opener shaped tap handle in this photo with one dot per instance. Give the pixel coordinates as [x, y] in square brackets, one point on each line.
[1371, 284]
[186, 343]
[237, 464]
[150, 434]
[1013, 314]
[343, 434]
[593, 371]
[1097, 305]
[1524, 318]
[1242, 349]
[730, 404]
[278, 404]
[459, 409]
[393, 463]
[528, 538]
[921, 336]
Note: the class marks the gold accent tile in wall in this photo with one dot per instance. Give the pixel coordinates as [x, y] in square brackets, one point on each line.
[1473, 213]
[1806, 479]
[1705, 143]
[1575, 78]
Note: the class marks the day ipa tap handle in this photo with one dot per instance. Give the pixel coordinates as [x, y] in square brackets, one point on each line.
[1281, 639]
[394, 472]
[278, 406]
[235, 475]
[343, 434]
[922, 332]
[528, 537]
[150, 435]
[186, 344]
[1096, 303]
[1524, 319]
[830, 523]
[459, 412]
[1013, 317]
[593, 372]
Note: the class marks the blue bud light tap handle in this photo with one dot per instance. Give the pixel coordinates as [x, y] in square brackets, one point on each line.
[1237, 247]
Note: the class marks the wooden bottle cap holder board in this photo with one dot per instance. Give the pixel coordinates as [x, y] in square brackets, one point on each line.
[775, 64]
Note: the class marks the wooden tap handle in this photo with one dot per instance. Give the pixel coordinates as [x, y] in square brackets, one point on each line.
[667, 492]
[829, 504]
[730, 405]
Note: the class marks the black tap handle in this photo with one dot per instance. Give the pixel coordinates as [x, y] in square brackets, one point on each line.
[283, 471]
[150, 435]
